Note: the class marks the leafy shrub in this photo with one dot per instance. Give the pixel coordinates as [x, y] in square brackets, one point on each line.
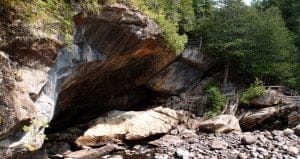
[256, 89]
[216, 100]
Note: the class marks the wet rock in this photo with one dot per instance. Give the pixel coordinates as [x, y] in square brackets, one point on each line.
[249, 139]
[221, 123]
[132, 125]
[218, 145]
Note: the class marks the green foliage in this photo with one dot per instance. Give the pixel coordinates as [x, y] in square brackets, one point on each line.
[272, 55]
[48, 12]
[256, 89]
[216, 100]
[172, 16]
[257, 43]
[92, 6]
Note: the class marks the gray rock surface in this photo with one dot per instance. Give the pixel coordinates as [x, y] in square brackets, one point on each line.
[249, 139]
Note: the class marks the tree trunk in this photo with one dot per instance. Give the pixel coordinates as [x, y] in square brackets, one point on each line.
[225, 81]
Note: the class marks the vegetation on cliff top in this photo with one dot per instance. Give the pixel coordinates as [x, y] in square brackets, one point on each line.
[55, 15]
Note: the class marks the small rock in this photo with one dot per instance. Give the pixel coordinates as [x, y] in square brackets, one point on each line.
[260, 156]
[277, 132]
[249, 139]
[161, 156]
[183, 154]
[242, 156]
[297, 130]
[218, 145]
[262, 150]
[254, 154]
[285, 147]
[288, 132]
[293, 150]
[112, 157]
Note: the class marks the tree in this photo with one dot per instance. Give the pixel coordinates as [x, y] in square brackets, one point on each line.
[257, 43]
[226, 35]
[272, 55]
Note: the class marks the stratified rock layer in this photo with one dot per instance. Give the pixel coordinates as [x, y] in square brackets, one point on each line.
[133, 53]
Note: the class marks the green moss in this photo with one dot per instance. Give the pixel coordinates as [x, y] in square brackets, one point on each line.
[256, 89]
[216, 101]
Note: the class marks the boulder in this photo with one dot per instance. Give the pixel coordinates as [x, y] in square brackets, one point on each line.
[220, 124]
[252, 118]
[175, 79]
[131, 125]
[270, 98]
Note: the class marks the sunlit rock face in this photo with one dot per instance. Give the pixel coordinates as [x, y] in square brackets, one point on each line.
[25, 59]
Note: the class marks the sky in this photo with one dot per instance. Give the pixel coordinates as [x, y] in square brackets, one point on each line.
[248, 2]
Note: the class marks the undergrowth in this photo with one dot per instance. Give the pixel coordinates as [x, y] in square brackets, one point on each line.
[256, 89]
[216, 101]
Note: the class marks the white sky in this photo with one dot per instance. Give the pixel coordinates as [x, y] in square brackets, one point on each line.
[248, 2]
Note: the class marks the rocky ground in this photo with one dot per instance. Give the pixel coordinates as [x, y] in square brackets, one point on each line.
[184, 143]
[258, 144]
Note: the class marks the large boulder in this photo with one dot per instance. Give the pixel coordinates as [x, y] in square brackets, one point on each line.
[253, 118]
[270, 98]
[220, 124]
[131, 125]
